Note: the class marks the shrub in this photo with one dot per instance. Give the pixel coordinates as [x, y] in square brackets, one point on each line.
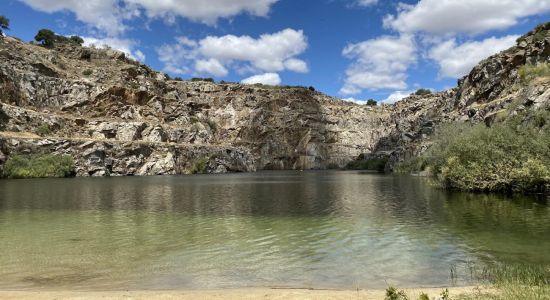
[424, 296]
[39, 166]
[178, 79]
[372, 102]
[311, 89]
[200, 166]
[528, 72]
[423, 92]
[76, 40]
[87, 72]
[46, 37]
[4, 24]
[202, 79]
[393, 294]
[43, 130]
[508, 157]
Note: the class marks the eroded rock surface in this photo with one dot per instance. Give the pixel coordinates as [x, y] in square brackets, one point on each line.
[116, 116]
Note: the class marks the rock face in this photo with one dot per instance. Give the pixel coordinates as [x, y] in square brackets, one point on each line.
[115, 116]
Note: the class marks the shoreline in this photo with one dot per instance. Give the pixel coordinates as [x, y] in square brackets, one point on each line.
[232, 294]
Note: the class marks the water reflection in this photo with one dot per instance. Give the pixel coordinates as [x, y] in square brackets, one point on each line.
[295, 229]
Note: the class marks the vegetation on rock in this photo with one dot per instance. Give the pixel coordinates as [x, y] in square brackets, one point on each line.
[422, 92]
[198, 79]
[372, 102]
[528, 73]
[200, 166]
[508, 157]
[4, 24]
[48, 38]
[39, 166]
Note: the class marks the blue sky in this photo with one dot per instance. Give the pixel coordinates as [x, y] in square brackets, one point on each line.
[356, 49]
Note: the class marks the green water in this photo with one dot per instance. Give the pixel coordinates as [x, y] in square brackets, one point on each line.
[273, 229]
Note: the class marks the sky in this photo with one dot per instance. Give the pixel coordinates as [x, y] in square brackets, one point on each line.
[351, 49]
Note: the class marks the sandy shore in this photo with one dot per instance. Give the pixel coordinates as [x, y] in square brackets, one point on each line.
[232, 294]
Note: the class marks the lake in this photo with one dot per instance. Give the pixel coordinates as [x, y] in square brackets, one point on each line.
[269, 229]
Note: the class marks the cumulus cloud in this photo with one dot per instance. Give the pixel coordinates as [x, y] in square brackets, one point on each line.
[380, 63]
[127, 46]
[214, 55]
[105, 15]
[110, 15]
[267, 78]
[211, 66]
[463, 16]
[396, 96]
[203, 11]
[457, 60]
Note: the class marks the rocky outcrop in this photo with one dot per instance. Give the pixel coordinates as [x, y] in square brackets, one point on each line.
[116, 116]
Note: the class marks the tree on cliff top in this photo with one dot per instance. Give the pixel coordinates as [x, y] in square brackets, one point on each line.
[46, 37]
[4, 24]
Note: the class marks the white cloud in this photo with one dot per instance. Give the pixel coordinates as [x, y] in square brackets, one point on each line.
[205, 11]
[123, 45]
[456, 60]
[396, 96]
[296, 65]
[366, 2]
[463, 16]
[267, 78]
[110, 15]
[269, 53]
[211, 66]
[105, 15]
[380, 63]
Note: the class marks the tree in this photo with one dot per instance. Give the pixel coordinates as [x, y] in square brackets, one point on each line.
[423, 92]
[46, 37]
[372, 102]
[4, 24]
[76, 39]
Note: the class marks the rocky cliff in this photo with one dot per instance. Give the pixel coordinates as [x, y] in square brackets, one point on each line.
[115, 116]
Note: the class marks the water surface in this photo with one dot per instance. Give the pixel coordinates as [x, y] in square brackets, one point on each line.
[273, 229]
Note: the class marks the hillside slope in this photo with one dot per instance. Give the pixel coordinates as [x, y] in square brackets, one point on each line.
[115, 116]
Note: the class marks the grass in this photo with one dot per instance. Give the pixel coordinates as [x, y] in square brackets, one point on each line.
[514, 282]
[506, 282]
[528, 73]
[38, 166]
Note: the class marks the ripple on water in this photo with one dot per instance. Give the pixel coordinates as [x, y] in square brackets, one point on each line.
[305, 229]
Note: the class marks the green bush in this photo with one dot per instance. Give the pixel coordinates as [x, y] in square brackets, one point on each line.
[87, 72]
[508, 157]
[4, 24]
[371, 102]
[202, 79]
[39, 166]
[43, 130]
[75, 39]
[528, 73]
[393, 294]
[46, 37]
[423, 92]
[200, 166]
